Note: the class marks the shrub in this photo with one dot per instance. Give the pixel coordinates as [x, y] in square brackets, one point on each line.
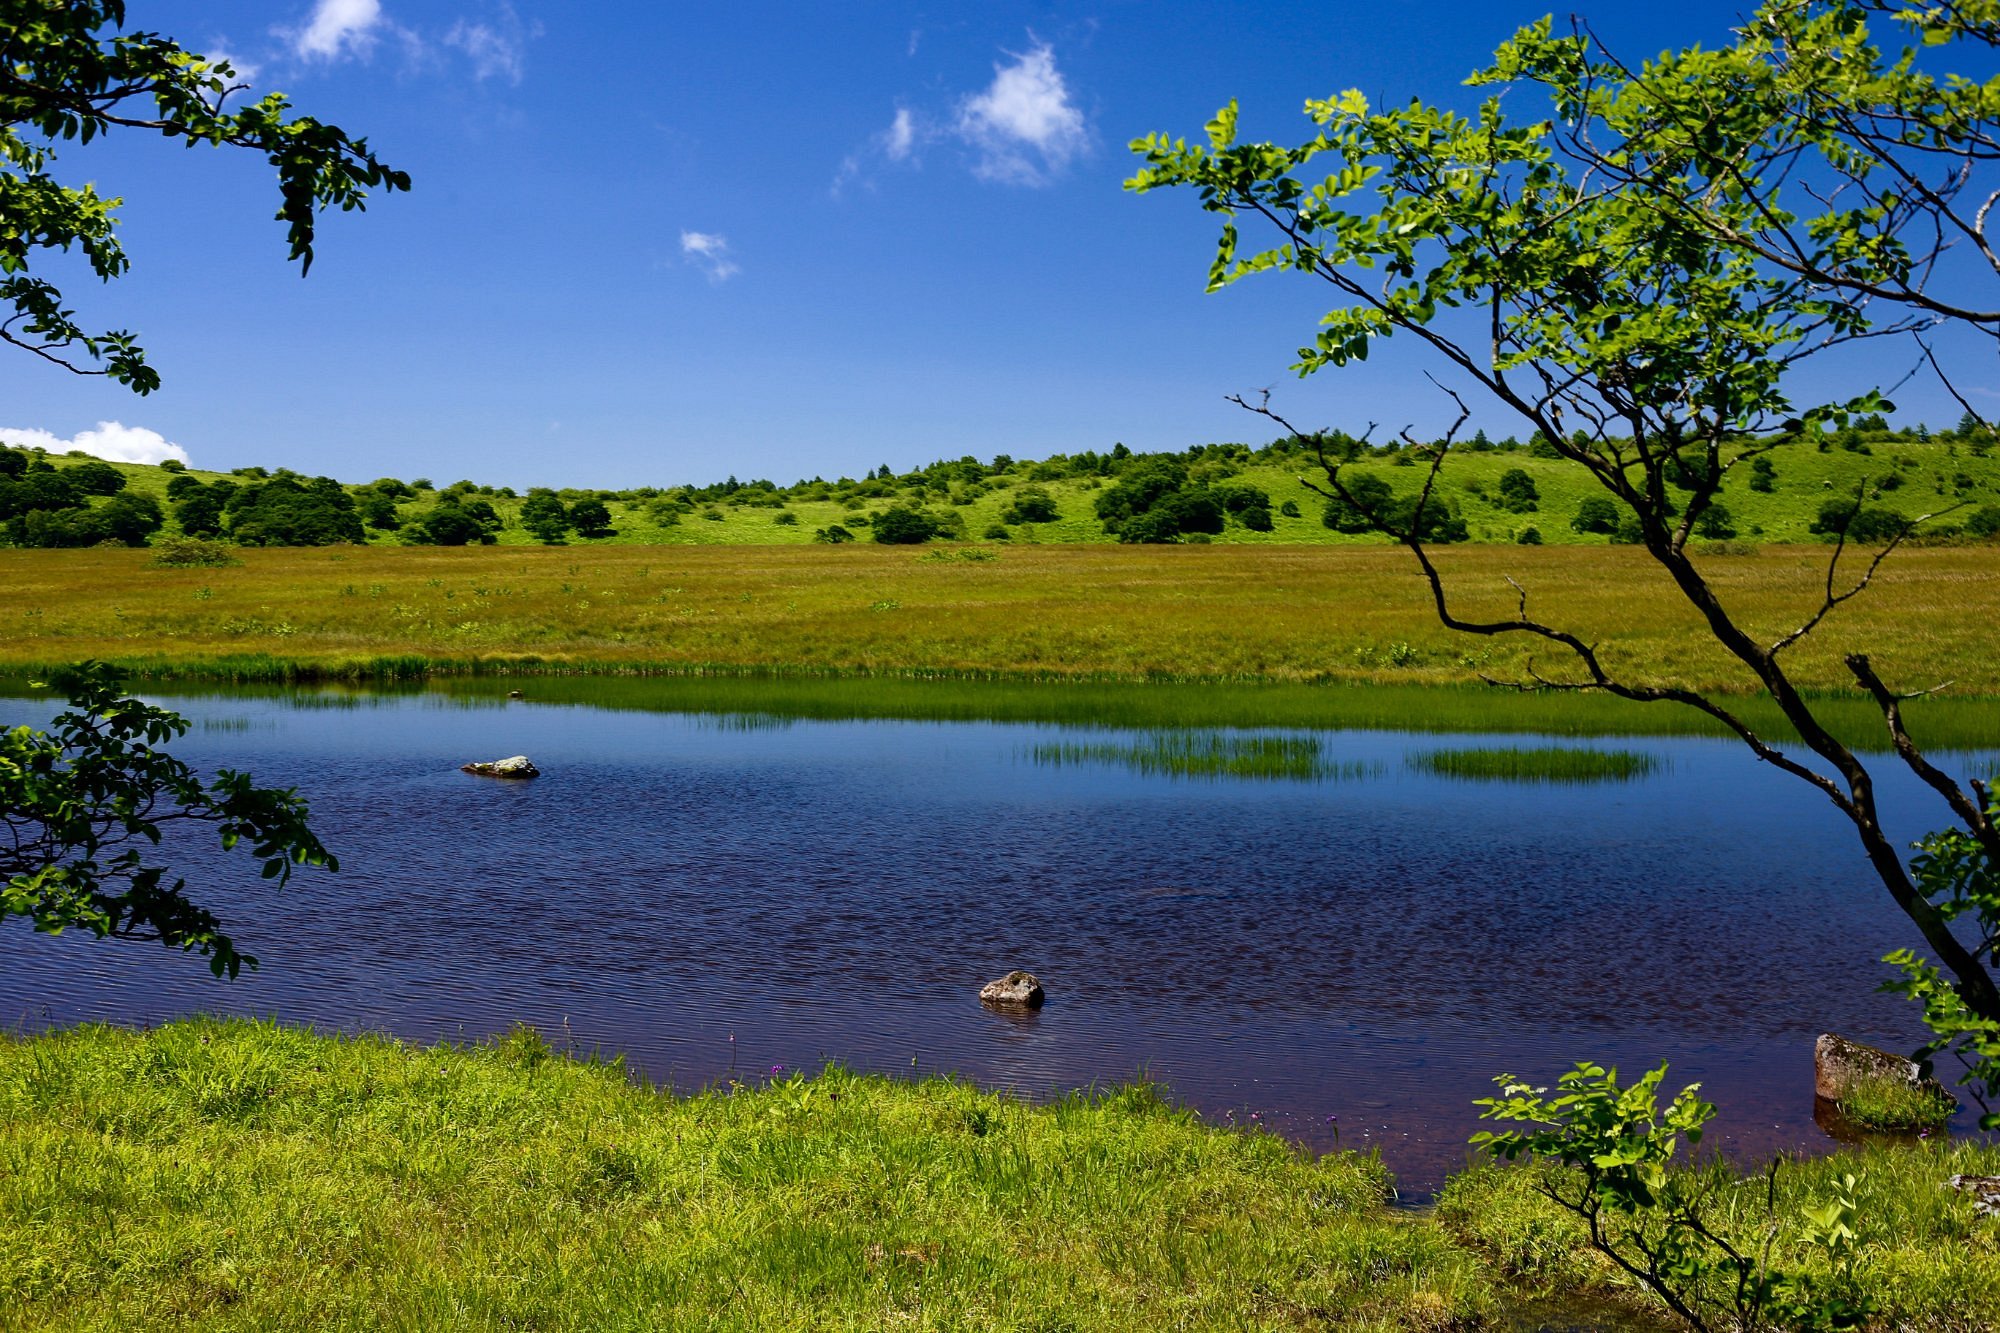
[1984, 522]
[1864, 525]
[172, 552]
[172, 465]
[1031, 504]
[1290, 509]
[1517, 492]
[1597, 513]
[1715, 522]
[902, 526]
[785, 518]
[591, 518]
[998, 533]
[832, 535]
[1529, 536]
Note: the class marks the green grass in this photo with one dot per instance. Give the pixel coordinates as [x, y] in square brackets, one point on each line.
[1895, 1105]
[1541, 764]
[1208, 754]
[237, 1175]
[1929, 1263]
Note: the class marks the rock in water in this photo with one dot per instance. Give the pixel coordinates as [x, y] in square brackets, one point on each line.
[1839, 1065]
[516, 767]
[1985, 1192]
[1016, 990]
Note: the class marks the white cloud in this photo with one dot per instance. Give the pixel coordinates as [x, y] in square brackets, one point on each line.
[709, 253]
[497, 49]
[246, 70]
[337, 28]
[1024, 125]
[901, 136]
[111, 440]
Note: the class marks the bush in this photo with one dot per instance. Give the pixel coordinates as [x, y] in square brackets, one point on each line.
[591, 518]
[172, 465]
[902, 526]
[997, 533]
[1372, 496]
[1517, 492]
[96, 478]
[1984, 522]
[1031, 504]
[1864, 525]
[1290, 509]
[1597, 513]
[785, 518]
[287, 512]
[1529, 536]
[192, 553]
[448, 524]
[832, 535]
[1715, 522]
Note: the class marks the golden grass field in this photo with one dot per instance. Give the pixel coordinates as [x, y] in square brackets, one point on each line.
[1184, 612]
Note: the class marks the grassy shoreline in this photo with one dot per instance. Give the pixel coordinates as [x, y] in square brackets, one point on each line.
[237, 1174]
[1270, 636]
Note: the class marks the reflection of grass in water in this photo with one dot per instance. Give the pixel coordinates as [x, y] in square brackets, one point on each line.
[1546, 764]
[746, 721]
[1207, 754]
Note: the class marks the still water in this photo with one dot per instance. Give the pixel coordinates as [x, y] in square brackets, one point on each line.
[707, 896]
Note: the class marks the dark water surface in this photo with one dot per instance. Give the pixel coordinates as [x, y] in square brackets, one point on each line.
[704, 894]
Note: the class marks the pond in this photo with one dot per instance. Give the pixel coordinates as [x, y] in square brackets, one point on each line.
[1346, 932]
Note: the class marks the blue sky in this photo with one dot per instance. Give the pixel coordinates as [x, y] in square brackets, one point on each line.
[659, 243]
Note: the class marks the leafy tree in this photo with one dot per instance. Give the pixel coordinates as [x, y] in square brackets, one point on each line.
[286, 511]
[73, 74]
[1031, 504]
[1763, 476]
[95, 478]
[378, 511]
[1517, 492]
[1716, 522]
[902, 526]
[547, 519]
[13, 462]
[82, 802]
[1636, 266]
[591, 518]
[447, 524]
[1597, 513]
[181, 484]
[199, 508]
[1353, 507]
[1138, 489]
[832, 535]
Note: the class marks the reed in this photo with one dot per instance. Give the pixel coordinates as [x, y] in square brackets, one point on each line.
[1559, 764]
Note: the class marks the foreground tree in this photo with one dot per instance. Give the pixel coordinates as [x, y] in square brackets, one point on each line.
[1634, 279]
[69, 72]
[81, 802]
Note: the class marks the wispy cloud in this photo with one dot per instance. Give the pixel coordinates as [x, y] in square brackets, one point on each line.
[1024, 126]
[497, 49]
[710, 253]
[337, 28]
[112, 440]
[901, 137]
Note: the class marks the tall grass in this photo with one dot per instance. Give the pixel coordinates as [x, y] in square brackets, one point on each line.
[1539, 764]
[243, 1176]
[1925, 1259]
[1208, 754]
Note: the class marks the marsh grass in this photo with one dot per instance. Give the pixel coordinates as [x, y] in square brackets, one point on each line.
[1209, 754]
[1896, 1105]
[244, 1176]
[1557, 764]
[1929, 1263]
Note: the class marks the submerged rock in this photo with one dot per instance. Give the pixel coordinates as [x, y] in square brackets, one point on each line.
[1840, 1065]
[1985, 1192]
[516, 767]
[1016, 990]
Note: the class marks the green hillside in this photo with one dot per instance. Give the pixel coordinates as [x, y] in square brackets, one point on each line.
[1903, 473]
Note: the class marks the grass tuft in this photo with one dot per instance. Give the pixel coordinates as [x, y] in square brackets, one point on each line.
[1892, 1105]
[1543, 764]
[1209, 754]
